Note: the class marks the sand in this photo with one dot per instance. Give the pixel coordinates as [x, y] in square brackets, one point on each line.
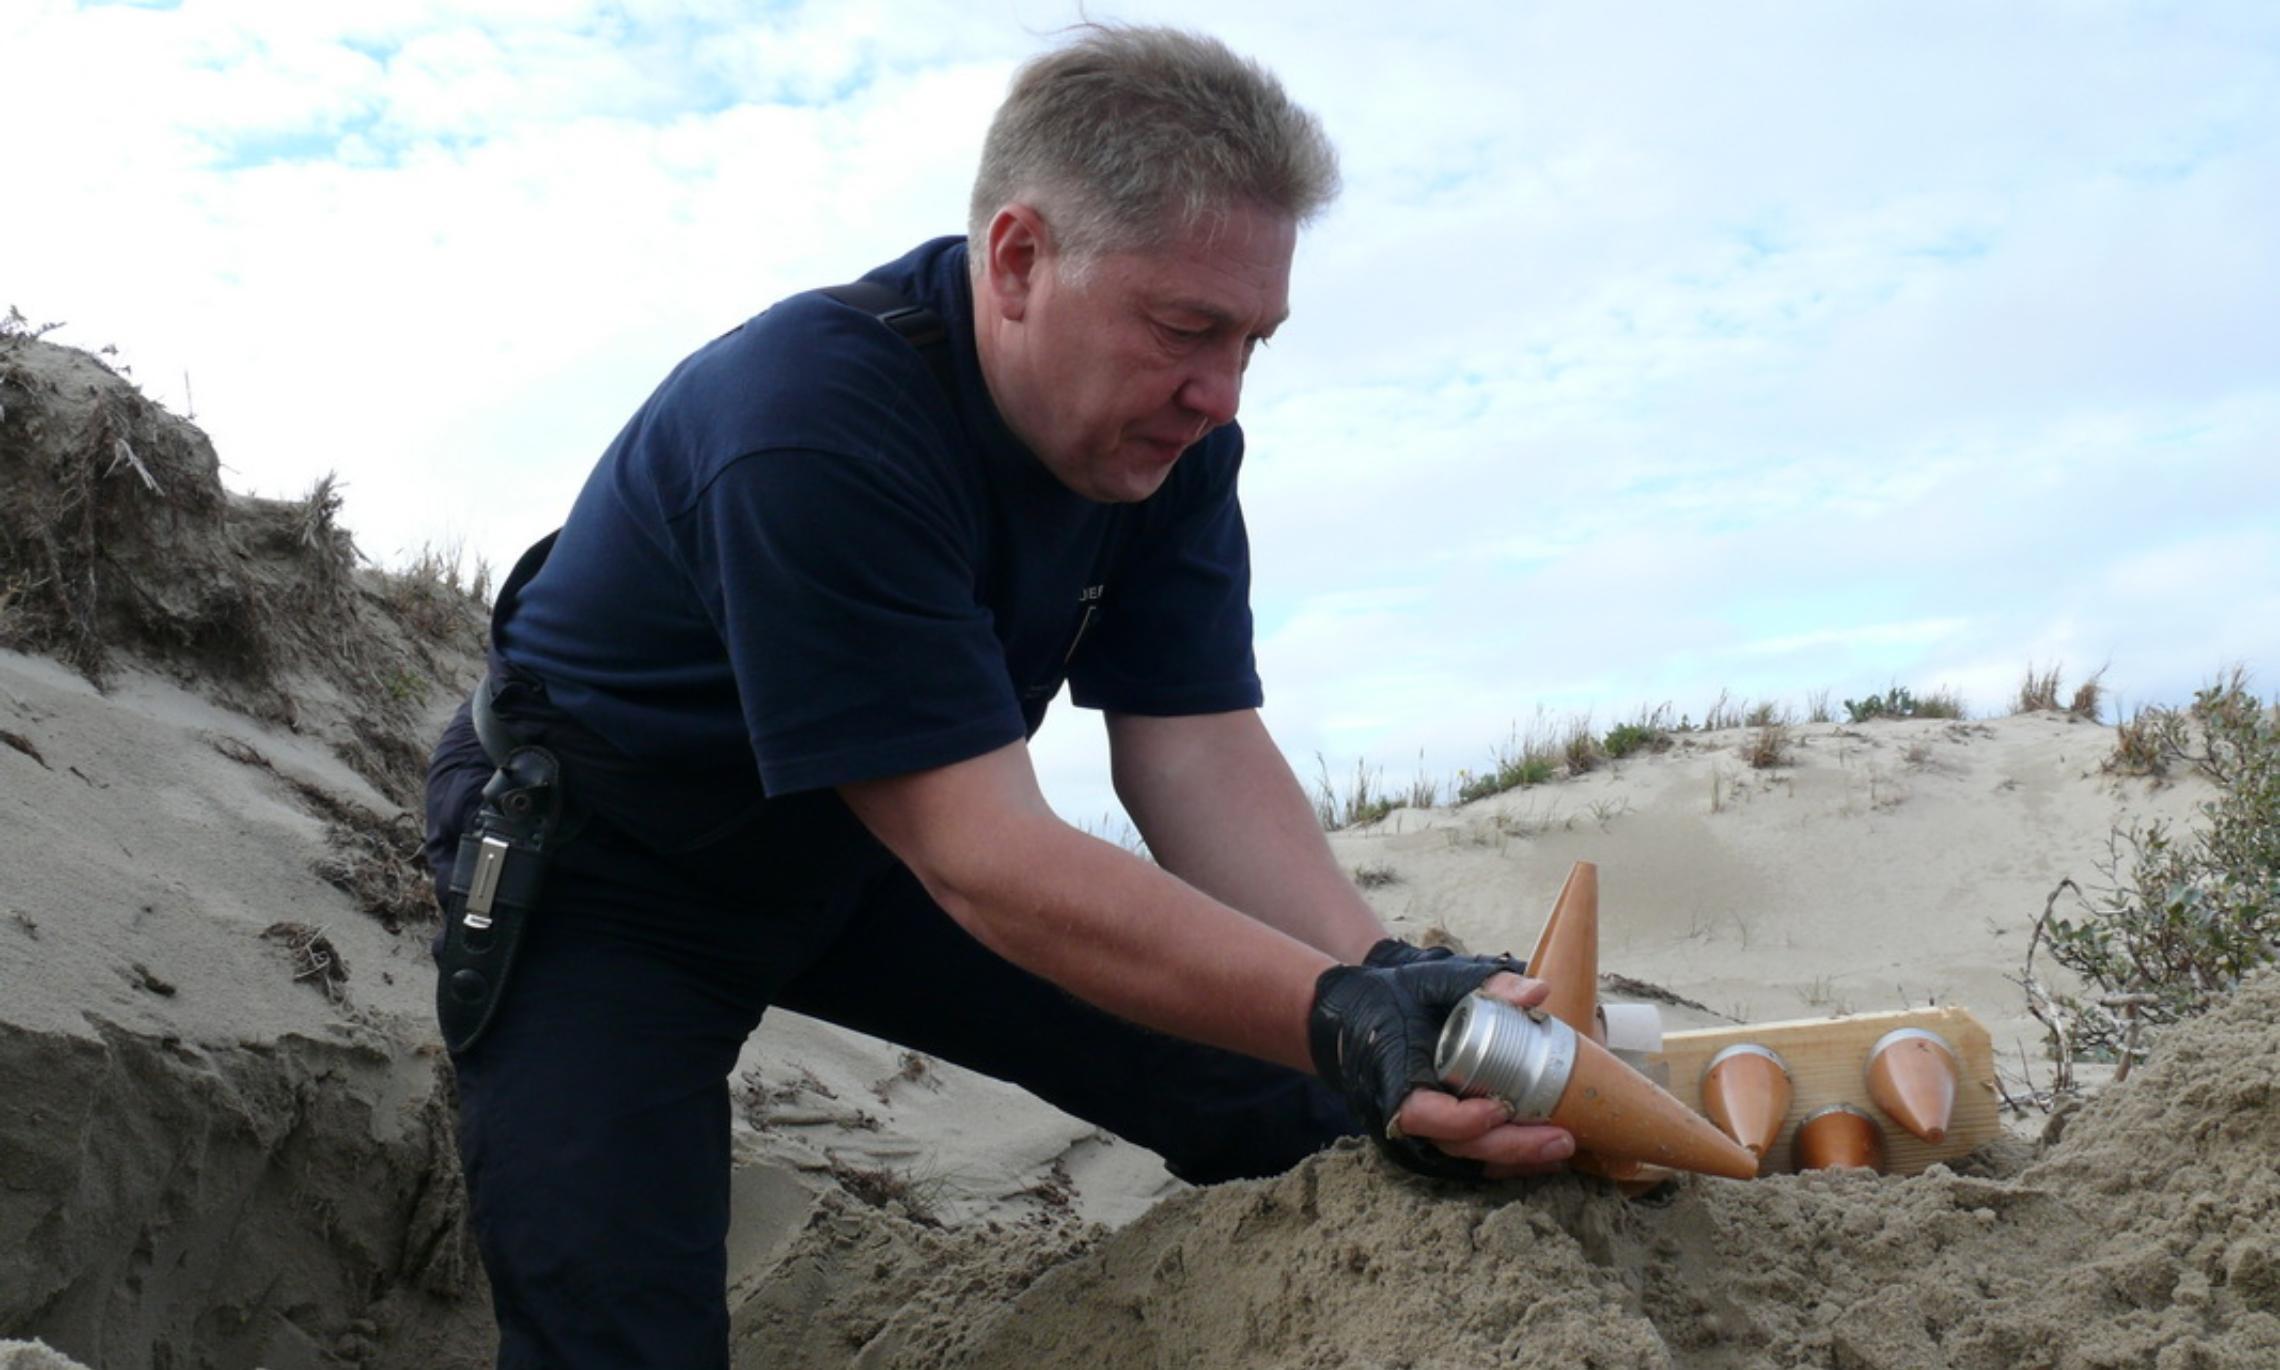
[2148, 1234]
[215, 1152]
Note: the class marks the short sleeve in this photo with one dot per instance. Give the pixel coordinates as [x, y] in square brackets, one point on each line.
[1175, 631]
[843, 589]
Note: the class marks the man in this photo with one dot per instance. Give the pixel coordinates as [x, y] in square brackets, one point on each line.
[787, 653]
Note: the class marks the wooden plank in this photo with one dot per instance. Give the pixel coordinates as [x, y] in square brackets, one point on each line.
[1828, 1059]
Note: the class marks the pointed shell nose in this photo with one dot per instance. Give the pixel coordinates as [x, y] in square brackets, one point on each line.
[1912, 1077]
[1746, 1091]
[1567, 953]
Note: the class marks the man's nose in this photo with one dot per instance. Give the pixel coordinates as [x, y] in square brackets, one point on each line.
[1214, 388]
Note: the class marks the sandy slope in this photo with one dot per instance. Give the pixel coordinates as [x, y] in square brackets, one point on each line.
[202, 1153]
[207, 1157]
[244, 1153]
[1888, 864]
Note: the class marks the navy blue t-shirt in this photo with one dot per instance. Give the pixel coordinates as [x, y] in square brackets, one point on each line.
[801, 565]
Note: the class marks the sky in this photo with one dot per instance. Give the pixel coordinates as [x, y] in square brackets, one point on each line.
[1653, 351]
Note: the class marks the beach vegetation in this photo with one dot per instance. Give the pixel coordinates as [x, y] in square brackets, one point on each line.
[2041, 691]
[2038, 693]
[1376, 875]
[1580, 748]
[2179, 915]
[1424, 790]
[1649, 732]
[1524, 759]
[1768, 745]
[1898, 701]
[1362, 799]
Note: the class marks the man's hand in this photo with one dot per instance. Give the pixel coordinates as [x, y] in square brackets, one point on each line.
[1373, 1031]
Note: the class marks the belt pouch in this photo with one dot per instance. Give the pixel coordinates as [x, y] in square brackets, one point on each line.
[494, 887]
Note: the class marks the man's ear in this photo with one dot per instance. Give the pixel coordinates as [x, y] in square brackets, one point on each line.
[1016, 246]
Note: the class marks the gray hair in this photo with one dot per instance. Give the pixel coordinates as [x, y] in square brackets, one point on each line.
[1128, 137]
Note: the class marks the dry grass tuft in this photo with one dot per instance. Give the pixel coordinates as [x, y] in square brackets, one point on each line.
[375, 858]
[1376, 876]
[1532, 758]
[914, 1196]
[2147, 742]
[316, 960]
[1364, 800]
[2038, 693]
[1581, 749]
[1725, 712]
[1768, 746]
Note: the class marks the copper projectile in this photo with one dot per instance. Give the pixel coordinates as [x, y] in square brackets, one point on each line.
[1633, 1178]
[1838, 1137]
[1911, 1076]
[1567, 953]
[1549, 1072]
[1746, 1092]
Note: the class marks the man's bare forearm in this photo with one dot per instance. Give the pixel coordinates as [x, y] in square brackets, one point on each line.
[1221, 809]
[1130, 938]
[1112, 929]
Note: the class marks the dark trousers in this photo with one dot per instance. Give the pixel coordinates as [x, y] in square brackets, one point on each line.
[594, 1112]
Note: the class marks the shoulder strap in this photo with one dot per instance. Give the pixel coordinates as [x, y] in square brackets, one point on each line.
[917, 325]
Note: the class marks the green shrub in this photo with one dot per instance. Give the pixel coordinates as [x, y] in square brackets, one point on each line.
[1522, 760]
[1901, 702]
[2184, 915]
[1649, 732]
[2148, 742]
[1626, 738]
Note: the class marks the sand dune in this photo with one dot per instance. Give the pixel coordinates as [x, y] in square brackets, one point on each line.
[227, 1137]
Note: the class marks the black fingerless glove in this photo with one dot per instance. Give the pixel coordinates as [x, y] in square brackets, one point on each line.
[1392, 951]
[1372, 1033]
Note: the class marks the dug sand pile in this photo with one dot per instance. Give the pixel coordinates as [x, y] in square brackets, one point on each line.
[2149, 1234]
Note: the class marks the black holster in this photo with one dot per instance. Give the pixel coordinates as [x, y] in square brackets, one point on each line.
[495, 881]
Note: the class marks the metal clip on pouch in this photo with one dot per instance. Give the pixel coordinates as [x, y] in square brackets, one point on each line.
[495, 880]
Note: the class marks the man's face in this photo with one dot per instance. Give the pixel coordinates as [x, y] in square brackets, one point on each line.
[1116, 375]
